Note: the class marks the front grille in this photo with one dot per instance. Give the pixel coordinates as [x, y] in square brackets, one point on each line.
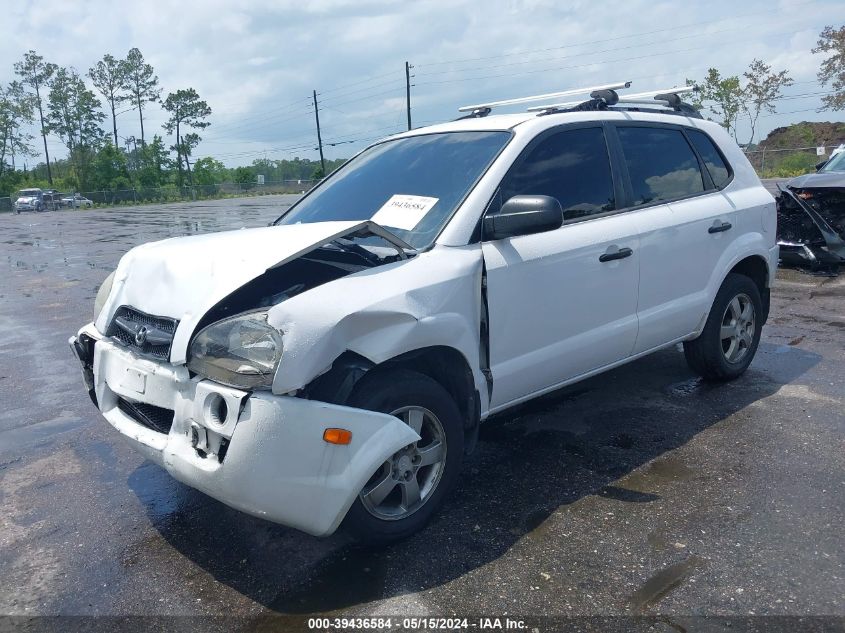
[152, 417]
[158, 331]
[830, 204]
[795, 225]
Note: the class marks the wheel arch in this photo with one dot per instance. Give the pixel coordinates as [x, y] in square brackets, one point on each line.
[443, 364]
[756, 268]
[748, 255]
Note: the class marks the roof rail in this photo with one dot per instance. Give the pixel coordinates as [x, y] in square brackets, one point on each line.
[484, 108]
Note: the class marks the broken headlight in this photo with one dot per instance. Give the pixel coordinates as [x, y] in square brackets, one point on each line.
[103, 294]
[241, 351]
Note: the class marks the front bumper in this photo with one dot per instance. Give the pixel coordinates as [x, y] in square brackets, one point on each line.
[257, 452]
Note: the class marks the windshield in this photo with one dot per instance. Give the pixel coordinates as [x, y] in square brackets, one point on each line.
[28, 192]
[411, 186]
[837, 163]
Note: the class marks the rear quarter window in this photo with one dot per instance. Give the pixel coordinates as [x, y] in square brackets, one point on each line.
[717, 167]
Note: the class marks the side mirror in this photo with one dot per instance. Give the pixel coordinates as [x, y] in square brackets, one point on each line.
[523, 215]
[820, 165]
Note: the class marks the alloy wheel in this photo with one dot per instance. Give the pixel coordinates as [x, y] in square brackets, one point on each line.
[408, 479]
[738, 326]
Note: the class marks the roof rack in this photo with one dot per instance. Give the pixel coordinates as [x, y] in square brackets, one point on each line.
[483, 109]
[664, 100]
[604, 97]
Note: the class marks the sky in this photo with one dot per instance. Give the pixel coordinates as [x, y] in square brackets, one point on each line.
[256, 63]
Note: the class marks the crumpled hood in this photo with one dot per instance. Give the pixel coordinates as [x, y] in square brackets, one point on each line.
[184, 277]
[26, 199]
[821, 180]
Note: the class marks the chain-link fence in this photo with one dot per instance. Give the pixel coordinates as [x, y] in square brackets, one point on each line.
[768, 162]
[786, 162]
[170, 193]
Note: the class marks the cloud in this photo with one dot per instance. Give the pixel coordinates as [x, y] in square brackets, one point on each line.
[259, 61]
[256, 63]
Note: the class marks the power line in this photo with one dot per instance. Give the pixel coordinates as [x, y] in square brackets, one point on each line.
[344, 94]
[378, 94]
[574, 66]
[604, 40]
[335, 140]
[592, 52]
[274, 118]
[342, 86]
[267, 118]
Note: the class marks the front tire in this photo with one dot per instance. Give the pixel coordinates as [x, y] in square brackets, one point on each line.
[409, 488]
[729, 340]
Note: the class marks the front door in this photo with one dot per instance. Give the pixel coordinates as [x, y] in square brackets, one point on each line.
[562, 303]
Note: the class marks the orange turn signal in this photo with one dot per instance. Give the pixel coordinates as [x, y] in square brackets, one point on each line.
[337, 436]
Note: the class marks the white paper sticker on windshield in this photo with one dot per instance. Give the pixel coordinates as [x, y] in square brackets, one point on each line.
[404, 212]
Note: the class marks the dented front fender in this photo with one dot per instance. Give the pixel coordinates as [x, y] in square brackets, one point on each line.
[431, 299]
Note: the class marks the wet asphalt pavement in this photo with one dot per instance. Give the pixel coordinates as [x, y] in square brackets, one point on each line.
[642, 490]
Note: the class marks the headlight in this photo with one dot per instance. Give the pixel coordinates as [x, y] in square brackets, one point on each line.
[241, 351]
[103, 294]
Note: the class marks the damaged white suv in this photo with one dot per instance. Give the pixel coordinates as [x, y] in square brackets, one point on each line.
[334, 367]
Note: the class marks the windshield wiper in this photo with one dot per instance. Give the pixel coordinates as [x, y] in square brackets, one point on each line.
[355, 249]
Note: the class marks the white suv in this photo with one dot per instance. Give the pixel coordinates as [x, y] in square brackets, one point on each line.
[335, 367]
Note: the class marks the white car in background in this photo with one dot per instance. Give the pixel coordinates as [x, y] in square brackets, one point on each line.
[77, 201]
[335, 367]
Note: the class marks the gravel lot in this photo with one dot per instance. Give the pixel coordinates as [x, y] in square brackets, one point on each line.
[641, 491]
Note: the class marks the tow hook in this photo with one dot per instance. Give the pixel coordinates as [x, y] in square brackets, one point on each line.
[199, 437]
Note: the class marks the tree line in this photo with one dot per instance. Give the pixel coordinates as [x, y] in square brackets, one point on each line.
[59, 103]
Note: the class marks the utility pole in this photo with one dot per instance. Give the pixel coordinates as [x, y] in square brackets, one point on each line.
[319, 138]
[408, 91]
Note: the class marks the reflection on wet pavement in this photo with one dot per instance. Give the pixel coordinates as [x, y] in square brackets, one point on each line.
[640, 490]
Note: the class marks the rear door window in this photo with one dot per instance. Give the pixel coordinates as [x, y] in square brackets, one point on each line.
[661, 164]
[572, 166]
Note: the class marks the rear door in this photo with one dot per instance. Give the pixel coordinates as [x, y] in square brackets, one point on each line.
[558, 305]
[685, 225]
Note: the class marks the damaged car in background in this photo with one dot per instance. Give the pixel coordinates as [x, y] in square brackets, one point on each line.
[334, 367]
[811, 217]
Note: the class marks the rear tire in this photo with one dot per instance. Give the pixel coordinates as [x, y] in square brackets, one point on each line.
[409, 488]
[729, 340]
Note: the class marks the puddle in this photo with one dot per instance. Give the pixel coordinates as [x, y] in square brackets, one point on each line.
[667, 469]
[15, 440]
[535, 519]
[663, 582]
[162, 495]
[625, 494]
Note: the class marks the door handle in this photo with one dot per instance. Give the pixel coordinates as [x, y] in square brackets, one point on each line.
[613, 252]
[719, 226]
